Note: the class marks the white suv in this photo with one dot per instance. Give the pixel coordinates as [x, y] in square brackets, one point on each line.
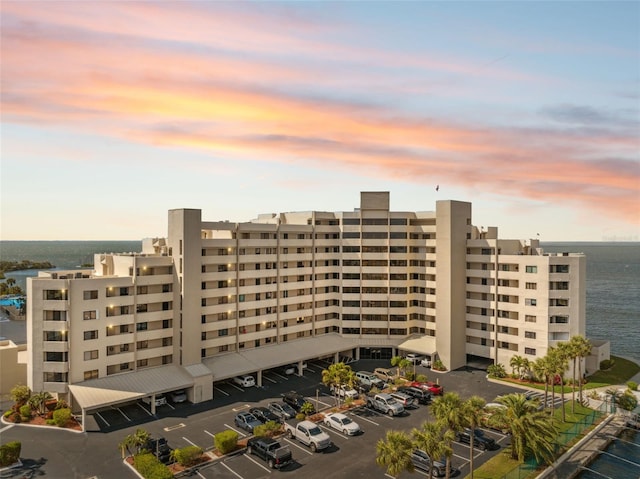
[245, 381]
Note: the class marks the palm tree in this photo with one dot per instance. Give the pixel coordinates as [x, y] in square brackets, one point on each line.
[430, 438]
[573, 353]
[394, 453]
[338, 375]
[401, 363]
[541, 369]
[447, 409]
[472, 410]
[516, 363]
[583, 347]
[554, 363]
[39, 400]
[564, 352]
[532, 431]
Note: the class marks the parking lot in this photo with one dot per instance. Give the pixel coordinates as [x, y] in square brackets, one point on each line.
[349, 456]
[185, 424]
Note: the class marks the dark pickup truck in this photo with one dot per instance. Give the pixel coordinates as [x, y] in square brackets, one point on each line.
[270, 450]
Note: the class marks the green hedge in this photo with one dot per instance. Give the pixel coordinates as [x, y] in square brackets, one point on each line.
[61, 417]
[187, 456]
[10, 453]
[150, 467]
[25, 412]
[226, 441]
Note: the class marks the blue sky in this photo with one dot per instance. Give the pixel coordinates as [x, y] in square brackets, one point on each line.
[115, 112]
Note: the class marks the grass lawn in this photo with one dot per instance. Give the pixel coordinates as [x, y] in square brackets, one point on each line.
[620, 373]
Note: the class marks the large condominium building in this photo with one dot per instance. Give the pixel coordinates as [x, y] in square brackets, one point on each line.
[216, 299]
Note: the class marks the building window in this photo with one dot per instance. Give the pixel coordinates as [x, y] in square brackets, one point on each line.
[531, 286]
[124, 367]
[530, 334]
[92, 294]
[530, 302]
[93, 374]
[531, 269]
[530, 318]
[141, 326]
[223, 332]
[91, 334]
[142, 363]
[89, 315]
[89, 355]
[530, 351]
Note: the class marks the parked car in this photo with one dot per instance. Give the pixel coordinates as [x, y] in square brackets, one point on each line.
[421, 461]
[433, 388]
[426, 362]
[368, 379]
[159, 447]
[247, 421]
[384, 374]
[276, 455]
[344, 391]
[385, 404]
[422, 396]
[342, 422]
[295, 400]
[415, 358]
[289, 369]
[404, 399]
[264, 414]
[491, 421]
[161, 400]
[245, 381]
[178, 396]
[480, 441]
[308, 433]
[282, 410]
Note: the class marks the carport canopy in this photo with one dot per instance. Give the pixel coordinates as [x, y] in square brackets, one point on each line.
[423, 345]
[267, 357]
[103, 392]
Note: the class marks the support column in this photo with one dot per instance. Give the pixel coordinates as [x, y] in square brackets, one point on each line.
[336, 358]
[153, 404]
[259, 378]
[84, 419]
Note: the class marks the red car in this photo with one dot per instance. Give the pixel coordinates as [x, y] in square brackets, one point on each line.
[433, 388]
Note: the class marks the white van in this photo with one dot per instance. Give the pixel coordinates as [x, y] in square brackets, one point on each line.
[245, 381]
[368, 379]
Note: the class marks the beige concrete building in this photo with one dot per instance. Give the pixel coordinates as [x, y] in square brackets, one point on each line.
[216, 299]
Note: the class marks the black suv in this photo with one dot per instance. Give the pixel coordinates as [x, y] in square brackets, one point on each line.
[160, 448]
[295, 400]
[420, 395]
[480, 441]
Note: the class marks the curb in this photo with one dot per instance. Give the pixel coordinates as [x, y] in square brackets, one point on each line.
[53, 428]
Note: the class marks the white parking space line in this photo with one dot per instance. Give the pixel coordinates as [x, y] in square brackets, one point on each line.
[212, 435]
[335, 431]
[321, 402]
[379, 414]
[170, 406]
[9, 427]
[299, 447]
[237, 387]
[232, 471]
[144, 409]
[280, 376]
[310, 370]
[365, 419]
[239, 433]
[105, 421]
[121, 412]
[223, 392]
[269, 379]
[190, 442]
[257, 463]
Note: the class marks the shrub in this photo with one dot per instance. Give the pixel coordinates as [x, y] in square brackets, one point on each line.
[496, 371]
[438, 365]
[187, 456]
[226, 441]
[301, 416]
[150, 467]
[421, 378]
[348, 401]
[269, 429]
[7, 413]
[10, 453]
[20, 394]
[25, 412]
[307, 408]
[62, 404]
[61, 417]
[410, 376]
[632, 385]
[607, 364]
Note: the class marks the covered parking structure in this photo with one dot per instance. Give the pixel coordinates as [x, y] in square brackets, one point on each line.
[295, 352]
[104, 392]
[425, 345]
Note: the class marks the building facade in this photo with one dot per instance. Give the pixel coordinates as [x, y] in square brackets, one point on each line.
[218, 299]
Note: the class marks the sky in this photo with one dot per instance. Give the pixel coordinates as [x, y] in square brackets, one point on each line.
[114, 112]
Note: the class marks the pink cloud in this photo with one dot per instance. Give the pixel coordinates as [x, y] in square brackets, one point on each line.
[135, 74]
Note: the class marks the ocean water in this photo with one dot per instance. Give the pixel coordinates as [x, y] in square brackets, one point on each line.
[613, 280]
